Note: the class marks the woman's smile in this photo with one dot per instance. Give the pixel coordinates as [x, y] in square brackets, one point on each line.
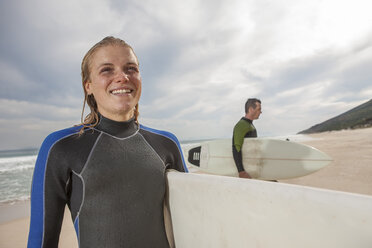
[115, 82]
[121, 91]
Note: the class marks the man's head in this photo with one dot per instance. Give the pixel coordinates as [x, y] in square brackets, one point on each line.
[253, 108]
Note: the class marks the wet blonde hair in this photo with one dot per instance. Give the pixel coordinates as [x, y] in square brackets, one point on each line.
[92, 118]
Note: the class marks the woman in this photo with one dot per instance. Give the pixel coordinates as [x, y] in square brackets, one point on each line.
[110, 170]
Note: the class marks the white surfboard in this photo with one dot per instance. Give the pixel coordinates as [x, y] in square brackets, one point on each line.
[218, 211]
[267, 159]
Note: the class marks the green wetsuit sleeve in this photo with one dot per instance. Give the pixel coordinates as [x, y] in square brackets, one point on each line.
[240, 130]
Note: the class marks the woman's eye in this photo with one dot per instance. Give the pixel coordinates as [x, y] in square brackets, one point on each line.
[106, 69]
[132, 69]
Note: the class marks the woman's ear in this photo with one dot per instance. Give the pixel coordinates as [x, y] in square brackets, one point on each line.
[87, 86]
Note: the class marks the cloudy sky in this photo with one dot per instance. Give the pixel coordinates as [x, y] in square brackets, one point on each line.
[200, 60]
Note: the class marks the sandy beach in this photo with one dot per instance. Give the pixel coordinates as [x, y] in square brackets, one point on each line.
[351, 171]
[14, 226]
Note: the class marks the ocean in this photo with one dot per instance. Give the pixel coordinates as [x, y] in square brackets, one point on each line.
[16, 169]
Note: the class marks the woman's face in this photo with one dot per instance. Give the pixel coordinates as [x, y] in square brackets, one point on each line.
[115, 81]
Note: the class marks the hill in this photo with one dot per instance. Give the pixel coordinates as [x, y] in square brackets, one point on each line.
[358, 117]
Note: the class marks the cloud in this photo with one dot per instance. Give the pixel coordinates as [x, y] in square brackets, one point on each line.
[13, 109]
[27, 132]
[45, 42]
[25, 124]
[199, 60]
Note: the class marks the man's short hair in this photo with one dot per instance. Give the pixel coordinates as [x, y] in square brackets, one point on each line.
[251, 103]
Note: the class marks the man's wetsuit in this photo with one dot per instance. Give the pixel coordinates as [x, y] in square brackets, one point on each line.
[243, 129]
[112, 177]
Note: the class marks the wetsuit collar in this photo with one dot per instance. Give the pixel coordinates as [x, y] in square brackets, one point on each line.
[246, 119]
[120, 129]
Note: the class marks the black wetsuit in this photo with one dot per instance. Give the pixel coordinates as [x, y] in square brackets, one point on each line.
[243, 129]
[112, 177]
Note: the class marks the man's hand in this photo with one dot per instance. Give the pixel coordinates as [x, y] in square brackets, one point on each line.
[244, 174]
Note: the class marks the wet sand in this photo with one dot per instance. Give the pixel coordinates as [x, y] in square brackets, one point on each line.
[351, 171]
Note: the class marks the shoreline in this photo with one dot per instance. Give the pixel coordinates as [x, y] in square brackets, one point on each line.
[351, 171]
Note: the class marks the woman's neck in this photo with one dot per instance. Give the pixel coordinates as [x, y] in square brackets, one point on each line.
[120, 129]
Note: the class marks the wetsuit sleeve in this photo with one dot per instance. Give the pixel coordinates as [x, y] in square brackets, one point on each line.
[166, 146]
[238, 159]
[240, 130]
[179, 162]
[48, 195]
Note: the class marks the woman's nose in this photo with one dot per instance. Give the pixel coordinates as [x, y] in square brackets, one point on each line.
[122, 77]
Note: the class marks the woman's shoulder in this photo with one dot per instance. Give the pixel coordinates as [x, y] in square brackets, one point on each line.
[58, 135]
[162, 133]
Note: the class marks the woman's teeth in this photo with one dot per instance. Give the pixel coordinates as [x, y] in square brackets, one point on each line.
[121, 91]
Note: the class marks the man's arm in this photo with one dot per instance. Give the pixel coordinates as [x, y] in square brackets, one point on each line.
[240, 130]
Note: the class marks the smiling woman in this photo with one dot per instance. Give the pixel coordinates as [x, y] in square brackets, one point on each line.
[110, 170]
[110, 73]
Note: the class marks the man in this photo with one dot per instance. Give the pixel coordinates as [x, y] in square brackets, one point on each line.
[245, 129]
